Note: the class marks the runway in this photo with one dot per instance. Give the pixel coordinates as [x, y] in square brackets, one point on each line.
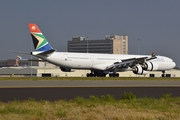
[56, 90]
[88, 83]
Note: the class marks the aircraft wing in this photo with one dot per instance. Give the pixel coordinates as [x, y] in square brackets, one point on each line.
[128, 63]
[122, 64]
[112, 66]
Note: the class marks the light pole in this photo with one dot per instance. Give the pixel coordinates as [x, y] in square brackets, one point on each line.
[87, 44]
[138, 47]
[31, 58]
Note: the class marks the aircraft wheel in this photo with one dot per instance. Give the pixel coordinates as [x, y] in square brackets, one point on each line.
[113, 75]
[87, 75]
[91, 75]
[163, 75]
[110, 75]
[117, 75]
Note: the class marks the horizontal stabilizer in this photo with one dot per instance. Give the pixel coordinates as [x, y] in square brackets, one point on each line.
[26, 53]
[34, 60]
[47, 53]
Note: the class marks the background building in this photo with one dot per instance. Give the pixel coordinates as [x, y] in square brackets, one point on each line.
[54, 71]
[111, 44]
[17, 62]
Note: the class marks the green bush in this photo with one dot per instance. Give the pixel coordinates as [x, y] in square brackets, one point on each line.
[166, 96]
[107, 98]
[93, 98]
[128, 96]
[79, 100]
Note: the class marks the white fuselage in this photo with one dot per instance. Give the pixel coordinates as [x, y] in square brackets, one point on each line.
[99, 61]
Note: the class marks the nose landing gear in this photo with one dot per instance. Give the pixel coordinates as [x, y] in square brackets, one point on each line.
[163, 74]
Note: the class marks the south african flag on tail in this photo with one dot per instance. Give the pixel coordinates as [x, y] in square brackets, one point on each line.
[40, 42]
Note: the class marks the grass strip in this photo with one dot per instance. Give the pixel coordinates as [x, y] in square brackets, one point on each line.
[129, 107]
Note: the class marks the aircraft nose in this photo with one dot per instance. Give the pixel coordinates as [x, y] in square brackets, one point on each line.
[174, 64]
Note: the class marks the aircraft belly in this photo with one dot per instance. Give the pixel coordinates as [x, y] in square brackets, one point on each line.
[75, 64]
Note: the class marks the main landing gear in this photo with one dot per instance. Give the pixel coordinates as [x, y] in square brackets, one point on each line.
[101, 74]
[114, 75]
[96, 74]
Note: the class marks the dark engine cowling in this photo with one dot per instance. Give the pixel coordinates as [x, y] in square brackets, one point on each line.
[150, 66]
[139, 70]
[67, 69]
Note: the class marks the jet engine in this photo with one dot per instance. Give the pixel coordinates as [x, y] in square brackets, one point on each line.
[67, 69]
[150, 66]
[139, 70]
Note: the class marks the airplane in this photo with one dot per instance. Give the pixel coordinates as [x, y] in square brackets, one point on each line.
[20, 58]
[99, 64]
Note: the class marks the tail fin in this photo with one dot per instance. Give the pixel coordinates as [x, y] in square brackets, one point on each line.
[19, 57]
[40, 42]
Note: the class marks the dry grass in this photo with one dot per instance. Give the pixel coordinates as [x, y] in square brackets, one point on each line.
[94, 108]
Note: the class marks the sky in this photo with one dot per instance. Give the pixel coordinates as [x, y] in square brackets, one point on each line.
[156, 23]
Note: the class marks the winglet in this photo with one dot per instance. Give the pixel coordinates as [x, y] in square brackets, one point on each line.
[153, 54]
[39, 40]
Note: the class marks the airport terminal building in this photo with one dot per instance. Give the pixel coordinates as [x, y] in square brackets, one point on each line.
[111, 45]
